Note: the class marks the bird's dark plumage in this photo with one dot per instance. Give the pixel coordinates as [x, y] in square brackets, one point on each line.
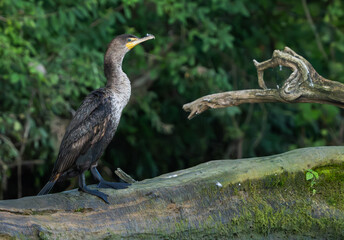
[95, 122]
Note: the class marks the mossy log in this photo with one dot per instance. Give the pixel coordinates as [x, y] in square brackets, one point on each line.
[255, 198]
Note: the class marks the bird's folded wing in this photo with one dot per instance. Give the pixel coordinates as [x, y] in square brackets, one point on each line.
[87, 128]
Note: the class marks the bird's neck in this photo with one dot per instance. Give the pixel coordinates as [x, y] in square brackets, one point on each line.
[117, 80]
[114, 73]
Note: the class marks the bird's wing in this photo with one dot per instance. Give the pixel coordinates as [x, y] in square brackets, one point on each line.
[90, 103]
[87, 127]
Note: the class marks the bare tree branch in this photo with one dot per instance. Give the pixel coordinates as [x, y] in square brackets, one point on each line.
[304, 85]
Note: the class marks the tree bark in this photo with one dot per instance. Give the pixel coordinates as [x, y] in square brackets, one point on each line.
[247, 198]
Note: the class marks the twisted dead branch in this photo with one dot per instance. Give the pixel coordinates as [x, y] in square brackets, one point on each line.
[304, 85]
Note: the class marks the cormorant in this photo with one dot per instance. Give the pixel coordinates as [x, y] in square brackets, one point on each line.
[95, 122]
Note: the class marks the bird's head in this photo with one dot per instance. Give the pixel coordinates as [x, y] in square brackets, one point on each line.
[131, 40]
[119, 46]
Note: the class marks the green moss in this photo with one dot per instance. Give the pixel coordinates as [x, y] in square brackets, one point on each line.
[279, 205]
[79, 210]
[331, 176]
[44, 236]
[331, 173]
[275, 180]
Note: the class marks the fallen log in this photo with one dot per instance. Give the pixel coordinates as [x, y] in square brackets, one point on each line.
[245, 198]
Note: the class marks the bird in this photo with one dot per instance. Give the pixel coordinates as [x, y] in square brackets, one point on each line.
[95, 122]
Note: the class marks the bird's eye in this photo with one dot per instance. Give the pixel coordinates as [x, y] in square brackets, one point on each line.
[129, 40]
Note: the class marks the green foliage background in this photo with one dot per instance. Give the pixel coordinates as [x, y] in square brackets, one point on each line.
[52, 57]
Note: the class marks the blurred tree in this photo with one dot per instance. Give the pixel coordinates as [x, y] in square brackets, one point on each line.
[52, 57]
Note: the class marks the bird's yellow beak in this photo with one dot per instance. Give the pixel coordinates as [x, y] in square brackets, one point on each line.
[136, 41]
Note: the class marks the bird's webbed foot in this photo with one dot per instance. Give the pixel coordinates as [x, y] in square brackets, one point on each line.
[97, 193]
[114, 185]
[84, 188]
[106, 184]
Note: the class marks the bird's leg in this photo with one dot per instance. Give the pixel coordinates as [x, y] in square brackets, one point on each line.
[106, 184]
[84, 188]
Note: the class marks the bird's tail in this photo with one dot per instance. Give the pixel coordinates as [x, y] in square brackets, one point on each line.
[46, 189]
